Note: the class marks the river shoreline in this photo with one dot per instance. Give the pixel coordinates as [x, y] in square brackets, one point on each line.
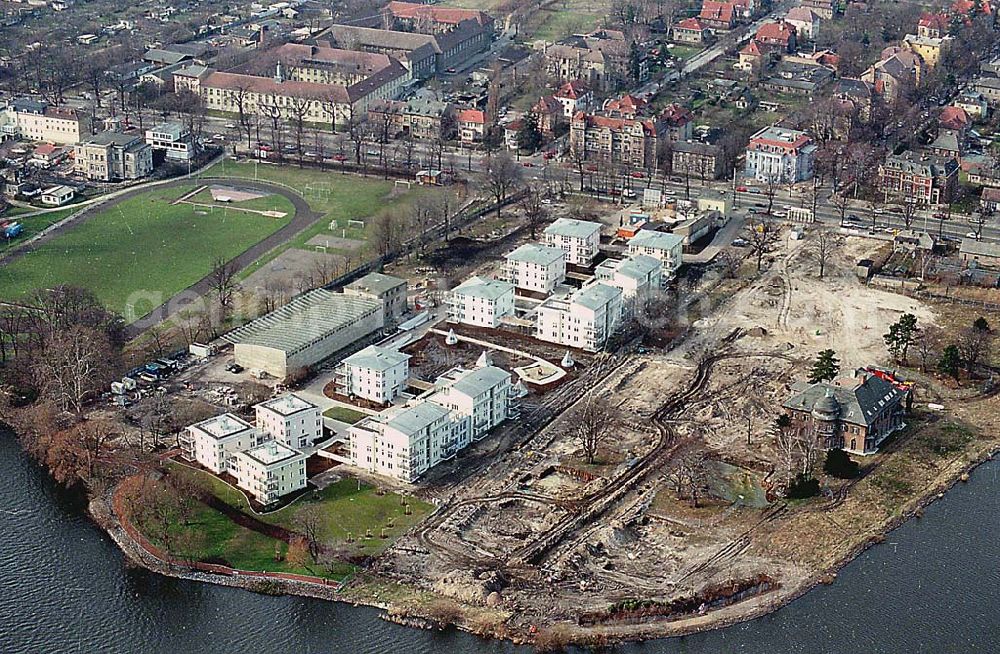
[100, 510]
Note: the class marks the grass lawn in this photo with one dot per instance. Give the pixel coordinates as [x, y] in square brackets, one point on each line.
[556, 25]
[142, 244]
[345, 507]
[32, 224]
[683, 51]
[343, 414]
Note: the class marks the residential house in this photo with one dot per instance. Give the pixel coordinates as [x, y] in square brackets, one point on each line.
[979, 253]
[549, 113]
[627, 106]
[32, 120]
[776, 36]
[471, 125]
[806, 22]
[779, 154]
[574, 96]
[718, 15]
[990, 199]
[478, 399]
[112, 157]
[602, 138]
[823, 8]
[536, 268]
[290, 420]
[972, 103]
[579, 239]
[696, 159]
[858, 93]
[933, 25]
[47, 155]
[896, 73]
[928, 49]
[214, 442]
[636, 276]
[405, 442]
[269, 471]
[511, 131]
[600, 60]
[481, 302]
[948, 143]
[954, 118]
[753, 59]
[584, 319]
[988, 88]
[377, 374]
[422, 118]
[920, 178]
[691, 31]
[664, 247]
[855, 416]
[677, 122]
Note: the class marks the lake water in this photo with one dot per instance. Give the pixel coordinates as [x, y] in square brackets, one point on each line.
[934, 587]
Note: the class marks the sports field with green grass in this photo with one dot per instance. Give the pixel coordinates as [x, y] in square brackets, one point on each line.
[344, 200]
[146, 243]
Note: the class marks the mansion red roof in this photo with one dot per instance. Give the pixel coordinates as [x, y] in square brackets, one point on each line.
[675, 115]
[934, 21]
[572, 90]
[717, 11]
[472, 116]
[692, 24]
[953, 118]
[614, 124]
[776, 32]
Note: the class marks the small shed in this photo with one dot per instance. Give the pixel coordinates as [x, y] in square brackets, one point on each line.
[56, 196]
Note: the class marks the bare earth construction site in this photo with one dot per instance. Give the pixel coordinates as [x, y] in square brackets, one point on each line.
[533, 543]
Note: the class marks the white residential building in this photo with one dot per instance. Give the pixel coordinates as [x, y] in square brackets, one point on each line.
[479, 400]
[585, 319]
[377, 374]
[668, 248]
[402, 442]
[214, 442]
[781, 155]
[579, 239]
[636, 276]
[290, 420]
[538, 268]
[172, 138]
[270, 471]
[405, 442]
[481, 302]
